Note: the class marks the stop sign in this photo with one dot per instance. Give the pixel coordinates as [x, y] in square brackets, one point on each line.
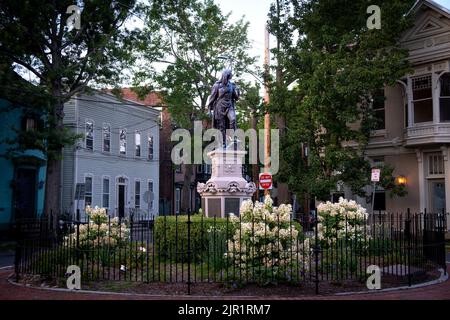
[265, 180]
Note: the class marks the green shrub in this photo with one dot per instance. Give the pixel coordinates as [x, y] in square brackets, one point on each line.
[208, 236]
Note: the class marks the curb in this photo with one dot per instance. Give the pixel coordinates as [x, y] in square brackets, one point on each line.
[6, 267]
[441, 279]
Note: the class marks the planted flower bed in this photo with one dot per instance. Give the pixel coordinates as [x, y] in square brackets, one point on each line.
[262, 247]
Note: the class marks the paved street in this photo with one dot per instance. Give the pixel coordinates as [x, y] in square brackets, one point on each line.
[10, 291]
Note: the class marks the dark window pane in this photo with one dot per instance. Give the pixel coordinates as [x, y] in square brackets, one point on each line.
[423, 111]
[380, 119]
[406, 115]
[422, 93]
[445, 85]
[444, 106]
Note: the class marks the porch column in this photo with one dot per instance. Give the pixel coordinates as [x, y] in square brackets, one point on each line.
[445, 155]
[435, 87]
[421, 175]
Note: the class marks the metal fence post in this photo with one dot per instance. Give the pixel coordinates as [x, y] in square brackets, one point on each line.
[18, 255]
[78, 237]
[316, 251]
[189, 250]
[408, 234]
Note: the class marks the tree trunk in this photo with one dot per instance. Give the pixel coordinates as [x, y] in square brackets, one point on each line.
[52, 203]
[185, 203]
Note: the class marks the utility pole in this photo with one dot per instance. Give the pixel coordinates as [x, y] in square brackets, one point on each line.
[266, 100]
[280, 120]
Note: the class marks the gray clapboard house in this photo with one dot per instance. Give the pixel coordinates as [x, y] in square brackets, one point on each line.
[118, 158]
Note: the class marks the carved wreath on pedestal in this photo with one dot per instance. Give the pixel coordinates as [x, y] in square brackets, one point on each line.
[232, 187]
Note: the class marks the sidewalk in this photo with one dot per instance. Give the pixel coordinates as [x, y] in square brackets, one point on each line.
[10, 291]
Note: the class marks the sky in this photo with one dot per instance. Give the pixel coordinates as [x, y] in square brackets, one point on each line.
[255, 12]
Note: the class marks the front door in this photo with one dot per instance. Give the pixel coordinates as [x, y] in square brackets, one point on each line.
[121, 197]
[25, 193]
[437, 195]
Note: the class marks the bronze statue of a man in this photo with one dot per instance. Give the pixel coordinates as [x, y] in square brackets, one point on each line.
[223, 96]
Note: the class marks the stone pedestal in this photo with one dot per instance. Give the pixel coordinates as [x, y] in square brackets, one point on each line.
[225, 191]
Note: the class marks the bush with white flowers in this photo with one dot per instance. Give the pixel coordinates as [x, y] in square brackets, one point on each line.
[267, 245]
[99, 231]
[344, 220]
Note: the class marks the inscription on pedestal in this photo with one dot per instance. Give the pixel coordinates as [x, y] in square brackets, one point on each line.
[214, 208]
[232, 206]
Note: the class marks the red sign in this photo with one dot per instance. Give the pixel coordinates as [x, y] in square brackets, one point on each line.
[265, 180]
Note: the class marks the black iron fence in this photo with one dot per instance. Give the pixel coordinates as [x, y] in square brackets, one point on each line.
[193, 249]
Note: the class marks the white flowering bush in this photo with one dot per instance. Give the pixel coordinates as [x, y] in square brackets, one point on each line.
[99, 231]
[344, 220]
[267, 245]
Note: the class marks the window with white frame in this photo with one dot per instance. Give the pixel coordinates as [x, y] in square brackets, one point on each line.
[105, 193]
[150, 190]
[123, 141]
[435, 164]
[422, 98]
[150, 147]
[137, 139]
[177, 200]
[378, 100]
[106, 137]
[444, 99]
[88, 191]
[137, 194]
[89, 135]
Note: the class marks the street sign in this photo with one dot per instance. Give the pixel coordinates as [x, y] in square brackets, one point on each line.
[375, 175]
[79, 191]
[265, 180]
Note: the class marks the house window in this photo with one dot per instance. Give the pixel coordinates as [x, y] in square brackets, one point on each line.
[435, 164]
[378, 99]
[88, 191]
[137, 194]
[89, 140]
[106, 137]
[30, 124]
[422, 99]
[150, 147]
[105, 195]
[150, 190]
[123, 141]
[444, 100]
[137, 139]
[177, 200]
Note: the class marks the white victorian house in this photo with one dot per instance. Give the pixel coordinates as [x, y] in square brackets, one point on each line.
[117, 159]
